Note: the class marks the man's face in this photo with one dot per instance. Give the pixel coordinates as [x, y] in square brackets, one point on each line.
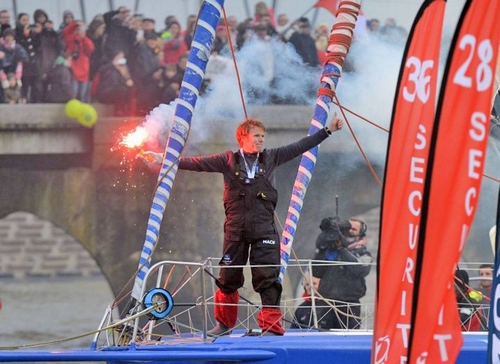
[232, 23]
[8, 39]
[261, 33]
[374, 25]
[221, 34]
[123, 13]
[265, 19]
[305, 29]
[282, 20]
[254, 141]
[355, 228]
[148, 26]
[151, 43]
[307, 285]
[486, 273]
[182, 62]
[5, 17]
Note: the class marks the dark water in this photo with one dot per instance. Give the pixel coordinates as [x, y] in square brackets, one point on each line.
[40, 311]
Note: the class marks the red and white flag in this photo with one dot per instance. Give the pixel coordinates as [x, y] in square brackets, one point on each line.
[330, 5]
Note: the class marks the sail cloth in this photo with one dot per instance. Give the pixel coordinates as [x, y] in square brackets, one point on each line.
[193, 76]
[338, 47]
[406, 164]
[453, 178]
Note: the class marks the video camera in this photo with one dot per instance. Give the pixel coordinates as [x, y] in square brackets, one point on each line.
[333, 231]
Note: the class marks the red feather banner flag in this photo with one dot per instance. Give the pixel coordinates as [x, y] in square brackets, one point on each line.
[454, 180]
[406, 165]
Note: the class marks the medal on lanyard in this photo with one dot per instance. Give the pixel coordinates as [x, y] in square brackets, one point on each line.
[250, 171]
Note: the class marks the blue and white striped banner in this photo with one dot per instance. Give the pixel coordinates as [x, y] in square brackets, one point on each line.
[306, 169]
[193, 76]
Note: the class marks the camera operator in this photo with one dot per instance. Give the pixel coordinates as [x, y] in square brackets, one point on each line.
[341, 285]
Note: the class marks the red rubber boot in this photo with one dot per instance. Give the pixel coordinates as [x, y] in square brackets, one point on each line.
[225, 312]
[270, 321]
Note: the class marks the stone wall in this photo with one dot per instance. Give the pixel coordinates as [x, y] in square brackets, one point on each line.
[31, 247]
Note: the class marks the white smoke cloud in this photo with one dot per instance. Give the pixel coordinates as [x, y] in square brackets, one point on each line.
[369, 91]
[269, 71]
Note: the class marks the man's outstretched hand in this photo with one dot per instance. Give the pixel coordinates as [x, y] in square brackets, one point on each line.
[150, 157]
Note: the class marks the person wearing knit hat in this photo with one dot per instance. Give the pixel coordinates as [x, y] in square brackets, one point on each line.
[40, 16]
[304, 43]
[68, 17]
[7, 32]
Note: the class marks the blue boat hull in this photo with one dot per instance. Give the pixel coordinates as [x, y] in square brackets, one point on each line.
[295, 347]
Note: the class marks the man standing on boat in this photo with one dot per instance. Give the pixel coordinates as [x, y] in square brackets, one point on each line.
[250, 198]
[342, 284]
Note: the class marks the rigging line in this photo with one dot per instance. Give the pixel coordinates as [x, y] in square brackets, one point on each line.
[189, 279]
[476, 308]
[122, 295]
[241, 297]
[370, 166]
[238, 78]
[193, 285]
[318, 295]
[169, 275]
[70, 338]
[118, 299]
[491, 178]
[336, 102]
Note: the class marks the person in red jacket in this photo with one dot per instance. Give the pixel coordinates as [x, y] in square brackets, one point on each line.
[79, 47]
[174, 45]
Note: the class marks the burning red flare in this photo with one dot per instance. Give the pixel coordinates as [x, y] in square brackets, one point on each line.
[135, 138]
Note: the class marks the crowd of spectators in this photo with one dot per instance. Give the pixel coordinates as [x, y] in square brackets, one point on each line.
[125, 59]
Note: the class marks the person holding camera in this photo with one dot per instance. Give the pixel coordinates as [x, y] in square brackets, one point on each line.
[345, 263]
[78, 50]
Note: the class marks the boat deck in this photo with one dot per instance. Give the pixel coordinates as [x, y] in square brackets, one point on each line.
[295, 347]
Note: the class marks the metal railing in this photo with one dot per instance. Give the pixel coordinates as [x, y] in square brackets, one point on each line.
[192, 287]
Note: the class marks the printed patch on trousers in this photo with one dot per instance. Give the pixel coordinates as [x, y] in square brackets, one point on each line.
[226, 259]
[268, 241]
